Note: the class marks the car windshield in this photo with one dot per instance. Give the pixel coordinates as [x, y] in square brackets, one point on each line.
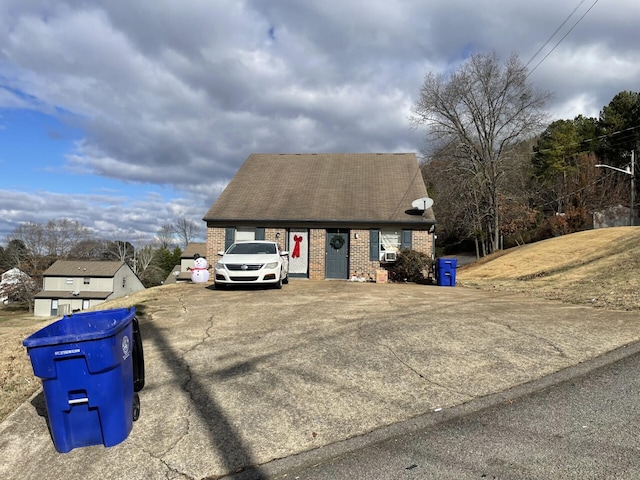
[252, 248]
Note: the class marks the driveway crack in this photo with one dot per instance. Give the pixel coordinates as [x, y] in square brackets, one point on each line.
[171, 471]
[182, 369]
[426, 379]
[537, 337]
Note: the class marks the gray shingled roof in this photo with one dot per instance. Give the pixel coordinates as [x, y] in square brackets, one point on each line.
[332, 187]
[82, 268]
[66, 294]
[195, 247]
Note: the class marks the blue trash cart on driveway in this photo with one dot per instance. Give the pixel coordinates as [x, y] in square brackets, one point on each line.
[91, 366]
[446, 271]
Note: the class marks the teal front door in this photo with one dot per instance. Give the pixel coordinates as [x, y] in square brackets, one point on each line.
[337, 257]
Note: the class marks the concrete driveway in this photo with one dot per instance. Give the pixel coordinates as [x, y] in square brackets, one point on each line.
[237, 378]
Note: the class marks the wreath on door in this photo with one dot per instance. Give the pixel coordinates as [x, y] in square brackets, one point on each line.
[337, 241]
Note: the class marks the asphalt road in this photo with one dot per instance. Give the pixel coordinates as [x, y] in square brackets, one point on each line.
[585, 427]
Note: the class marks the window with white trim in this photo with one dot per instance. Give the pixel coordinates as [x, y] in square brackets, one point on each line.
[390, 241]
[385, 244]
[244, 234]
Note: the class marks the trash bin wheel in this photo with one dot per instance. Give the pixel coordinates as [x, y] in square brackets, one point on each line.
[136, 406]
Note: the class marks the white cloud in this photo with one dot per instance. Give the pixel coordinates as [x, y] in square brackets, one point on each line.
[178, 94]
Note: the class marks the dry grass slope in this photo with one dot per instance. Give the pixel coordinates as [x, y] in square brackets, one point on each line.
[596, 267]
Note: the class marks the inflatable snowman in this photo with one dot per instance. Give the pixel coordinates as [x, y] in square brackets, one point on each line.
[199, 271]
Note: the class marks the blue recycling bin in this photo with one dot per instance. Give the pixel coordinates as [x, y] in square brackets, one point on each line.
[85, 363]
[446, 271]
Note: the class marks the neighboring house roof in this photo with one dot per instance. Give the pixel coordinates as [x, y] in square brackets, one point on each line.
[181, 277]
[66, 294]
[171, 278]
[195, 247]
[83, 268]
[344, 188]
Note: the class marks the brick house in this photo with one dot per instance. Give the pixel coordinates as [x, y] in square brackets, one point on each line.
[338, 215]
[71, 285]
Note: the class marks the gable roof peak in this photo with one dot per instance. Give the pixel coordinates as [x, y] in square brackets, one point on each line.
[323, 187]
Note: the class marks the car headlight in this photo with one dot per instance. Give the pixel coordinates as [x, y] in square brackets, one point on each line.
[219, 265]
[271, 265]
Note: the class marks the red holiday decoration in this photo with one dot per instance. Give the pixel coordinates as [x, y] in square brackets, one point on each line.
[296, 248]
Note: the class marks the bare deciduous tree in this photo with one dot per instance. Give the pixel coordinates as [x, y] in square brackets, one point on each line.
[145, 265]
[164, 236]
[187, 230]
[63, 235]
[120, 251]
[34, 258]
[478, 114]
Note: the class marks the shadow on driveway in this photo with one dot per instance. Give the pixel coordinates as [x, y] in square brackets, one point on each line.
[224, 437]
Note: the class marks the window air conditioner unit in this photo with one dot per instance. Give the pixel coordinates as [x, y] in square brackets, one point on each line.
[390, 256]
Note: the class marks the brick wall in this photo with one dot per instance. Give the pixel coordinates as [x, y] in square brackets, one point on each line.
[422, 241]
[270, 234]
[215, 243]
[359, 263]
[317, 245]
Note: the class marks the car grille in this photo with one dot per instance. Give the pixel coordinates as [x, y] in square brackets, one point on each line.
[251, 267]
[243, 279]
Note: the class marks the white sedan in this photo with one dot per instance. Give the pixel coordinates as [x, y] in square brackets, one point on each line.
[250, 263]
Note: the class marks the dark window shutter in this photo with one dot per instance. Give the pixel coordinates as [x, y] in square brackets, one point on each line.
[260, 233]
[374, 245]
[229, 236]
[405, 240]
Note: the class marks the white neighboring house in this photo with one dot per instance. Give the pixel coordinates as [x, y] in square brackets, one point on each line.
[72, 285]
[12, 280]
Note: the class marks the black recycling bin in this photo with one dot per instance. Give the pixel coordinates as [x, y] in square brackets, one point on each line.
[91, 365]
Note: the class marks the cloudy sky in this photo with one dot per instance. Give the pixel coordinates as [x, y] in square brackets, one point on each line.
[125, 115]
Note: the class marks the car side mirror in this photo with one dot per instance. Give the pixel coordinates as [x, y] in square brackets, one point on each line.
[221, 253]
[284, 254]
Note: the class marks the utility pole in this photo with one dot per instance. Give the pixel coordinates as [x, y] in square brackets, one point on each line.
[633, 189]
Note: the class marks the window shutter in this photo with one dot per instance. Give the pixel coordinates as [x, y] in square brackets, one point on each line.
[229, 236]
[405, 240]
[374, 245]
[260, 233]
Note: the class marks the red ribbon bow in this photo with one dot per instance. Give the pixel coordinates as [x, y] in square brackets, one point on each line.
[296, 248]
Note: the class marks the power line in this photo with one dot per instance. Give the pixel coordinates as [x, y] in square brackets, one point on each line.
[565, 36]
[575, 144]
[554, 33]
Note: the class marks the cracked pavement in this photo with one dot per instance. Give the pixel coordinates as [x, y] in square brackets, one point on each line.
[241, 377]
